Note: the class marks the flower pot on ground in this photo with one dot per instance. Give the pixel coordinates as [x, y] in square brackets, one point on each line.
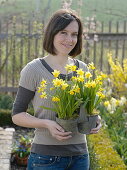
[21, 150]
[21, 161]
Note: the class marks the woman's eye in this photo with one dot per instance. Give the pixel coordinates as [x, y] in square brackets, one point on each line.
[75, 35]
[62, 32]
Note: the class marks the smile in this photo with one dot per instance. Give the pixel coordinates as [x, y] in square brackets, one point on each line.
[67, 46]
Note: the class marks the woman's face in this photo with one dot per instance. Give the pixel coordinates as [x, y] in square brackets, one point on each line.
[66, 39]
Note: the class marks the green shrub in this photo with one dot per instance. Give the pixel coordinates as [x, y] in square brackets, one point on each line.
[106, 157]
[6, 102]
[6, 119]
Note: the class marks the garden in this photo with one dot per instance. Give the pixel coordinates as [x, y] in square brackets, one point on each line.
[107, 148]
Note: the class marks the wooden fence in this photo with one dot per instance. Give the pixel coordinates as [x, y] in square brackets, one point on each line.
[21, 42]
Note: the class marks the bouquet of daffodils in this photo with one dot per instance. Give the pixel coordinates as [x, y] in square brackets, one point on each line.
[90, 86]
[64, 94]
[67, 95]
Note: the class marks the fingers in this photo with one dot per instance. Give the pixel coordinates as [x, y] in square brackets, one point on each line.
[62, 135]
[95, 130]
[61, 138]
[59, 128]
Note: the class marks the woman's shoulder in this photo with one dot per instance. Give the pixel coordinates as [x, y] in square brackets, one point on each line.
[32, 65]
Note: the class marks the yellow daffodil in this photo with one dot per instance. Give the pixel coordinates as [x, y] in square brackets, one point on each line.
[56, 73]
[99, 78]
[103, 75]
[80, 78]
[70, 67]
[57, 82]
[91, 66]
[73, 68]
[88, 75]
[80, 72]
[64, 86]
[43, 82]
[71, 92]
[100, 82]
[106, 103]
[74, 78]
[55, 99]
[40, 89]
[76, 89]
[43, 95]
[101, 95]
[67, 67]
[88, 84]
[93, 84]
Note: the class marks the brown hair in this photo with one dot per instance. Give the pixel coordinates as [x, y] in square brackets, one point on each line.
[60, 20]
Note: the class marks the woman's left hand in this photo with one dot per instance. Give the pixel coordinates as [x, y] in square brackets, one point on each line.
[96, 130]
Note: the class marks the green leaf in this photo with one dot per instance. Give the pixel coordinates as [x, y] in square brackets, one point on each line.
[48, 108]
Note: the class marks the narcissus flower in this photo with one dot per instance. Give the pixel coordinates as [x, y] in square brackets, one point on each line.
[55, 99]
[91, 66]
[43, 95]
[43, 82]
[71, 92]
[80, 78]
[88, 75]
[80, 72]
[106, 103]
[76, 89]
[101, 95]
[56, 73]
[57, 82]
[64, 86]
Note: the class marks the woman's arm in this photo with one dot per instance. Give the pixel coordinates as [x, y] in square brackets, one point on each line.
[26, 120]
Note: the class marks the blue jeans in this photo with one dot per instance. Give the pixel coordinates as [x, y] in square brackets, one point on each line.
[46, 162]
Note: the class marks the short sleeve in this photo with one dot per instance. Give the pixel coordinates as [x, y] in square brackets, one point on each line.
[28, 78]
[83, 66]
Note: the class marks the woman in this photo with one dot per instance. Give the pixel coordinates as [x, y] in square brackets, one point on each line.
[52, 147]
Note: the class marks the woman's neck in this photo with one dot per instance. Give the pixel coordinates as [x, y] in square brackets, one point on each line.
[58, 62]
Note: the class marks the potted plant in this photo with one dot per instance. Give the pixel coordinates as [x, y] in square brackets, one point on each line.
[82, 92]
[21, 150]
[64, 96]
[91, 94]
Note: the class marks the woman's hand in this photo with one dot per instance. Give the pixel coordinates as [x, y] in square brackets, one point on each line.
[57, 131]
[96, 130]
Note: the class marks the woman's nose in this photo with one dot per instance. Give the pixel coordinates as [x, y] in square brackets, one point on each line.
[69, 38]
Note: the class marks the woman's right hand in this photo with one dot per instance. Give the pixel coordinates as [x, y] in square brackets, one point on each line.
[57, 131]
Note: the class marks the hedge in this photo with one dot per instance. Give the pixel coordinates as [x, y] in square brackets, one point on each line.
[105, 156]
[5, 117]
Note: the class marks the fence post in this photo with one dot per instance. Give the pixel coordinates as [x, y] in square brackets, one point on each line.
[6, 78]
[13, 52]
[123, 47]
[117, 42]
[102, 45]
[0, 54]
